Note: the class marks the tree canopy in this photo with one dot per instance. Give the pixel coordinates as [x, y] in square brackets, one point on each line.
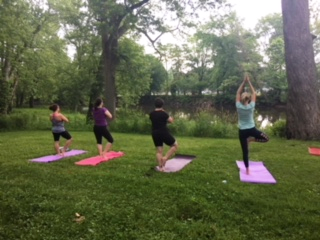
[72, 51]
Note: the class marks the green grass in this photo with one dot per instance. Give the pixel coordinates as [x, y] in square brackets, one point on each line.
[125, 199]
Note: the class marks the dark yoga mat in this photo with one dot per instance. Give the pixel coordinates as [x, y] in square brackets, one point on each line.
[178, 162]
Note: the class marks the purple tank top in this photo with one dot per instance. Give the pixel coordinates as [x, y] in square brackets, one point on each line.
[99, 117]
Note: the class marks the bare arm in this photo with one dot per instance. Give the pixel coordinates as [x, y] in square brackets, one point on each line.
[108, 114]
[240, 89]
[253, 92]
[170, 120]
[63, 118]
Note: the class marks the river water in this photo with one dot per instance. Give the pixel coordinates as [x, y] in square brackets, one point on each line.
[264, 116]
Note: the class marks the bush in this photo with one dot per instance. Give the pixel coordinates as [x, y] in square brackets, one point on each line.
[203, 124]
[14, 122]
[4, 125]
[182, 127]
[131, 121]
[279, 129]
[210, 125]
[38, 119]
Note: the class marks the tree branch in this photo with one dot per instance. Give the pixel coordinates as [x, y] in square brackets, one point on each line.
[139, 4]
[153, 41]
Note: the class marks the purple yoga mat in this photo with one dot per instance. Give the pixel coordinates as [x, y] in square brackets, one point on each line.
[177, 163]
[52, 158]
[258, 173]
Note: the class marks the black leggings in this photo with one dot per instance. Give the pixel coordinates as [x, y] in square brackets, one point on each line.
[65, 134]
[244, 134]
[102, 131]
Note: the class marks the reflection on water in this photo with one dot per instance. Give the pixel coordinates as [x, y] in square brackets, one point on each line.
[264, 122]
[182, 115]
[266, 118]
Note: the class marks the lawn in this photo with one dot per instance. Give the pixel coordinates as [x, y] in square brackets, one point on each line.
[126, 199]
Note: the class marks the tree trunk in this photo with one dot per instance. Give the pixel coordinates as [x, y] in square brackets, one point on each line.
[303, 93]
[31, 102]
[13, 92]
[4, 97]
[111, 61]
[21, 100]
[6, 71]
[97, 88]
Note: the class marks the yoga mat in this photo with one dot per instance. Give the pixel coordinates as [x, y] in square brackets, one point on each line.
[258, 173]
[314, 151]
[52, 158]
[177, 163]
[93, 161]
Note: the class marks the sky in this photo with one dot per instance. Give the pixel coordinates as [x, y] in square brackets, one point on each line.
[250, 11]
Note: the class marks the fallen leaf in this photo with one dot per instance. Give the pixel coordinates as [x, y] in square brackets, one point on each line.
[79, 219]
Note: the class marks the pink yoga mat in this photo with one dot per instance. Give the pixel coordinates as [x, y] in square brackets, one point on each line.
[93, 161]
[52, 158]
[258, 173]
[177, 163]
[314, 151]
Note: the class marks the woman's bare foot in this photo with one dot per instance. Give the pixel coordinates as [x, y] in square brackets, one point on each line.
[247, 171]
[159, 169]
[163, 161]
[104, 154]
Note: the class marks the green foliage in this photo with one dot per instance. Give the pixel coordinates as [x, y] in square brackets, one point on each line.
[4, 99]
[158, 74]
[181, 127]
[39, 201]
[30, 50]
[133, 73]
[279, 129]
[131, 121]
[22, 120]
[234, 50]
[270, 27]
[209, 125]
[273, 75]
[38, 119]
[78, 78]
[202, 124]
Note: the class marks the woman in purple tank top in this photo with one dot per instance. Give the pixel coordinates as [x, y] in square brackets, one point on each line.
[100, 129]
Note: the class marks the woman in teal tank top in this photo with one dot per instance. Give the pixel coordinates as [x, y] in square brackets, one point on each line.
[245, 103]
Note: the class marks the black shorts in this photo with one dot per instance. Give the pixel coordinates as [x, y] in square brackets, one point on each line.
[65, 134]
[162, 136]
[102, 131]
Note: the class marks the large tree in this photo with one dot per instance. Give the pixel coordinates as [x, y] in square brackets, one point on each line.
[303, 92]
[149, 17]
